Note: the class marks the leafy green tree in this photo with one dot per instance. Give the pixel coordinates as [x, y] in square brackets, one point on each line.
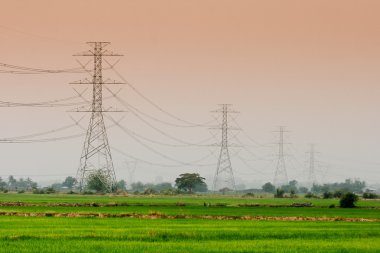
[96, 181]
[201, 187]
[348, 185]
[3, 184]
[188, 181]
[225, 190]
[12, 183]
[328, 195]
[279, 193]
[69, 182]
[163, 186]
[370, 195]
[348, 200]
[137, 186]
[56, 186]
[337, 194]
[268, 187]
[149, 191]
[293, 183]
[293, 194]
[121, 185]
[303, 189]
[30, 184]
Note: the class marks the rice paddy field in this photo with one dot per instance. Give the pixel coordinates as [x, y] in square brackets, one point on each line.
[77, 223]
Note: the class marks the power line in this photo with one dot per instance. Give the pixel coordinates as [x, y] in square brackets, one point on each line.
[159, 130]
[129, 106]
[44, 140]
[161, 164]
[248, 151]
[28, 33]
[152, 103]
[191, 163]
[251, 139]
[48, 103]
[155, 151]
[25, 70]
[15, 138]
[129, 131]
[249, 166]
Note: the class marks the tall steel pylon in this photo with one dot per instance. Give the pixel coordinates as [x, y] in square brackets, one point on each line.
[131, 167]
[96, 158]
[312, 179]
[281, 176]
[224, 176]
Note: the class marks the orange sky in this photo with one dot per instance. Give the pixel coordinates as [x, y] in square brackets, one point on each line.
[309, 65]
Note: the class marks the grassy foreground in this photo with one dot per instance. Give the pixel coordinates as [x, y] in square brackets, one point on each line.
[73, 234]
[186, 199]
[25, 234]
[229, 211]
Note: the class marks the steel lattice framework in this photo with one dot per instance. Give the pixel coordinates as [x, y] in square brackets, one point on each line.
[96, 158]
[224, 176]
[281, 176]
[312, 179]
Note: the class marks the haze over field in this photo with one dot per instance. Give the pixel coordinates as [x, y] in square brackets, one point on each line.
[312, 66]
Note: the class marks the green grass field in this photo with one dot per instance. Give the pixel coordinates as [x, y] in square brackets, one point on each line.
[73, 234]
[201, 210]
[187, 199]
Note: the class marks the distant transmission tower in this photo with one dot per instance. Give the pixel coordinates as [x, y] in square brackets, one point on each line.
[281, 176]
[224, 176]
[311, 180]
[131, 167]
[96, 156]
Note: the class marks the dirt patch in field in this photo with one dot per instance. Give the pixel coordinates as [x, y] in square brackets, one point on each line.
[163, 216]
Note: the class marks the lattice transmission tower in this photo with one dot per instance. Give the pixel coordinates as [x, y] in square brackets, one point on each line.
[224, 175]
[311, 179]
[281, 176]
[96, 158]
[131, 167]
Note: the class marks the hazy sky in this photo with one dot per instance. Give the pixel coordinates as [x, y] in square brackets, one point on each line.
[309, 65]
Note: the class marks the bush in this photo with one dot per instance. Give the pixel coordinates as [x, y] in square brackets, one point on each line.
[338, 194]
[249, 195]
[50, 190]
[368, 195]
[169, 192]
[310, 195]
[328, 195]
[348, 200]
[149, 191]
[279, 193]
[95, 182]
[21, 191]
[38, 191]
[303, 189]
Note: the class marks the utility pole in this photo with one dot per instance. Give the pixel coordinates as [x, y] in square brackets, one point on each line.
[311, 175]
[224, 176]
[281, 176]
[96, 158]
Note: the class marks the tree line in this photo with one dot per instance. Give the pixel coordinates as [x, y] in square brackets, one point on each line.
[13, 184]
